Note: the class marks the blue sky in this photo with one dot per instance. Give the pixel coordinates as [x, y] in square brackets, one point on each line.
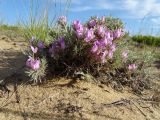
[138, 15]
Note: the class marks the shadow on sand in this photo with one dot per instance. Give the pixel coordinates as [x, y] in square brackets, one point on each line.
[11, 62]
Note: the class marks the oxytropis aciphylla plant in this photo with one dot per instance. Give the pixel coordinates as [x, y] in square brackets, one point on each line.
[129, 67]
[131, 73]
[81, 46]
[36, 63]
[84, 45]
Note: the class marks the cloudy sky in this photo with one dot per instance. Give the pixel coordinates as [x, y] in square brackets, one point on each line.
[139, 16]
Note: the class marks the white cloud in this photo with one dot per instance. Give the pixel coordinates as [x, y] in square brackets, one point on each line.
[80, 9]
[139, 7]
[130, 4]
[133, 9]
[92, 5]
[104, 4]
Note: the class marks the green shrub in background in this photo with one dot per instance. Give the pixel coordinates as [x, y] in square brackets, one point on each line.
[8, 27]
[147, 39]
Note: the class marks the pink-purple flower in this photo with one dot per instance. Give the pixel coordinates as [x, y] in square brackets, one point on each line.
[41, 45]
[107, 41]
[110, 54]
[103, 56]
[62, 43]
[125, 55]
[53, 48]
[113, 47]
[77, 25]
[108, 35]
[117, 33]
[132, 67]
[79, 33]
[34, 49]
[33, 64]
[92, 23]
[103, 19]
[95, 47]
[33, 38]
[62, 20]
[101, 31]
[57, 46]
[89, 35]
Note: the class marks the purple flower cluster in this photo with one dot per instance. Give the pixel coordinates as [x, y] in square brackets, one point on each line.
[132, 67]
[57, 46]
[89, 35]
[101, 49]
[33, 62]
[117, 33]
[92, 23]
[101, 31]
[41, 45]
[99, 37]
[79, 29]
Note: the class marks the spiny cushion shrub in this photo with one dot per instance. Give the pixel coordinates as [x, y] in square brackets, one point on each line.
[77, 47]
[83, 47]
[36, 62]
[128, 70]
[147, 39]
[89, 48]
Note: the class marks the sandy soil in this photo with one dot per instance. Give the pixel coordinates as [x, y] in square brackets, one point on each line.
[58, 99]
